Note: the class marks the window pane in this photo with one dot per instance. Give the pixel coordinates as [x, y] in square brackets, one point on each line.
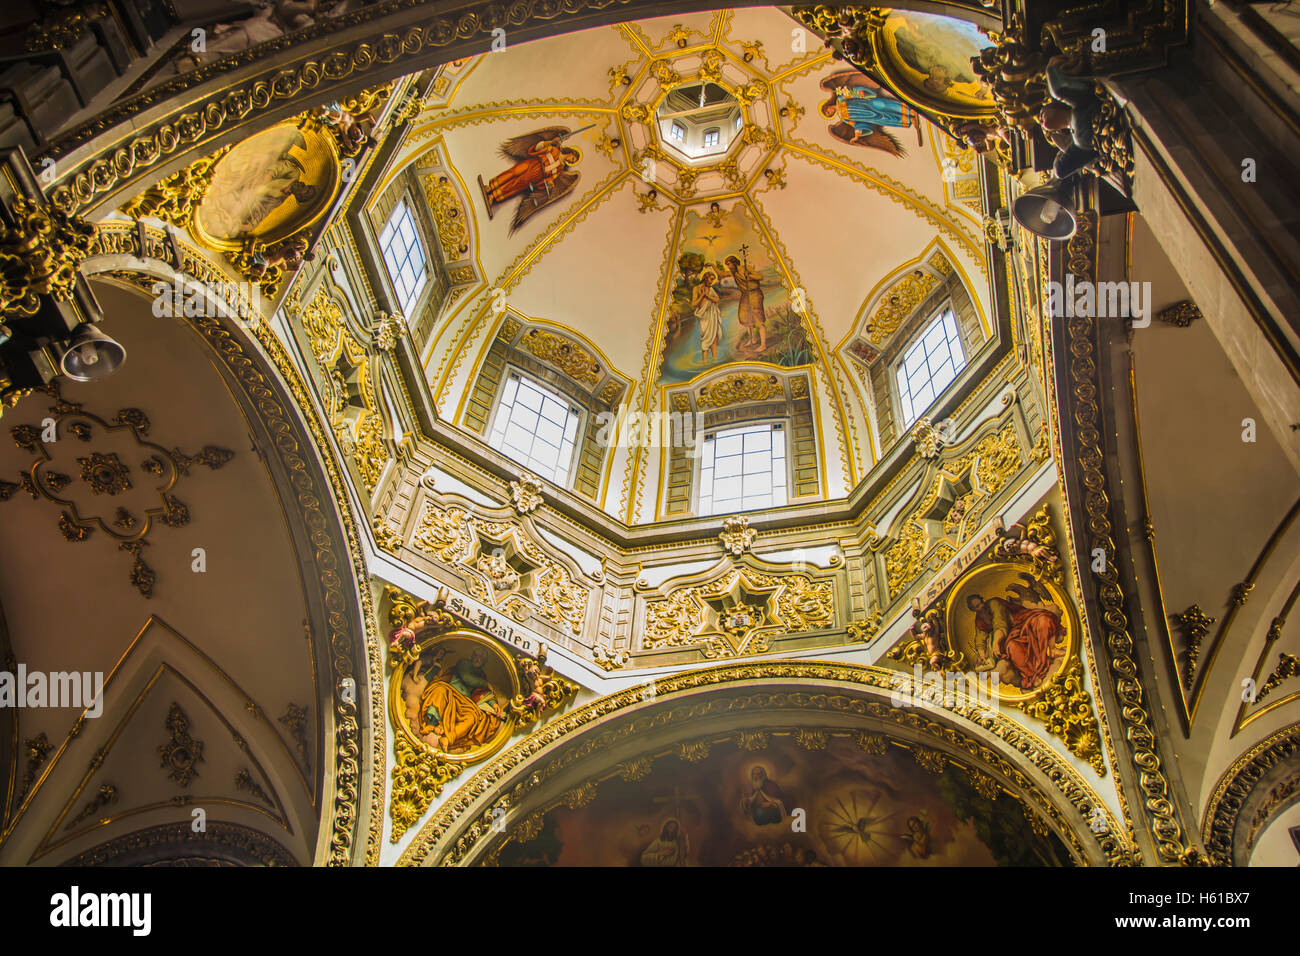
[743, 468]
[404, 256]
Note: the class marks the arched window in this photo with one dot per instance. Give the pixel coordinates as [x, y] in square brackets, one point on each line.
[929, 365]
[678, 132]
[404, 256]
[712, 137]
[742, 469]
[536, 427]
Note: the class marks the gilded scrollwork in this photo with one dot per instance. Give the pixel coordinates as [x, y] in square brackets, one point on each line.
[740, 387]
[739, 613]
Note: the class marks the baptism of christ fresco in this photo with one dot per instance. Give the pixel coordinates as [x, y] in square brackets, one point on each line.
[728, 303]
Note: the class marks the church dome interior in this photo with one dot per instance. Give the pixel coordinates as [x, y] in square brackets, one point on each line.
[649, 435]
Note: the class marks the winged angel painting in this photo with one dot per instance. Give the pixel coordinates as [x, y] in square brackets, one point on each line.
[862, 112]
[544, 171]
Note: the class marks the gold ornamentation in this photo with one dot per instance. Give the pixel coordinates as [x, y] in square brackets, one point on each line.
[418, 777]
[176, 199]
[811, 738]
[526, 493]
[863, 631]
[1194, 625]
[105, 474]
[609, 659]
[753, 740]
[564, 602]
[1288, 665]
[181, 752]
[740, 387]
[295, 721]
[898, 303]
[37, 749]
[244, 781]
[1181, 314]
[928, 439]
[1065, 707]
[738, 613]
[932, 760]
[737, 536]
[711, 65]
[569, 357]
[693, 752]
[448, 216]
[1034, 542]
[348, 386]
[664, 74]
[442, 532]
[40, 255]
[104, 796]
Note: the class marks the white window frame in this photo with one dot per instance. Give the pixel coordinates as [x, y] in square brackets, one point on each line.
[897, 372]
[776, 427]
[716, 133]
[677, 132]
[498, 440]
[408, 296]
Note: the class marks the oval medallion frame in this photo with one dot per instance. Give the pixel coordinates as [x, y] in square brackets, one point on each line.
[446, 650]
[907, 82]
[991, 581]
[319, 162]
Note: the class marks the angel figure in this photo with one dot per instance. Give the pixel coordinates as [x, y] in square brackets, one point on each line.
[544, 172]
[862, 109]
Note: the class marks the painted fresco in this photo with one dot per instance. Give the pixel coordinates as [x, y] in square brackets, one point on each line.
[1003, 619]
[929, 56]
[861, 112]
[270, 186]
[739, 807]
[544, 171]
[729, 302]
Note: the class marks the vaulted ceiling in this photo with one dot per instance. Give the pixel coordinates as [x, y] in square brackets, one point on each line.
[828, 222]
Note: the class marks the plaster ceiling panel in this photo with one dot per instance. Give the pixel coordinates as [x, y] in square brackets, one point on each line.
[245, 610]
[882, 236]
[568, 68]
[606, 290]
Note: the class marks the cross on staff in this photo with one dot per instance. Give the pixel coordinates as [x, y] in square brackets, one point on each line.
[676, 799]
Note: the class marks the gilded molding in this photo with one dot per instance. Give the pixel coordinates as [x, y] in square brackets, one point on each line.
[1081, 347]
[740, 387]
[1232, 796]
[330, 557]
[454, 833]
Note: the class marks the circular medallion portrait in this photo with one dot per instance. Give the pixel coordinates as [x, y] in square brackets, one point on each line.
[928, 58]
[1003, 620]
[454, 699]
[269, 187]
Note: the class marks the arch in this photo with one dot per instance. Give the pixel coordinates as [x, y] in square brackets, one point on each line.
[307, 477]
[591, 743]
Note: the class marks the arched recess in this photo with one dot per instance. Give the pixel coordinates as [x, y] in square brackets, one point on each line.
[308, 480]
[812, 702]
[1259, 787]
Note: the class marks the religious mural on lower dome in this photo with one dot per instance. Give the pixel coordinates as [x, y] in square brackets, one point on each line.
[269, 187]
[739, 807]
[728, 302]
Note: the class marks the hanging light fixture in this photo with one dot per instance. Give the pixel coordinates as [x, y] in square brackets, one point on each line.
[90, 354]
[1047, 211]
